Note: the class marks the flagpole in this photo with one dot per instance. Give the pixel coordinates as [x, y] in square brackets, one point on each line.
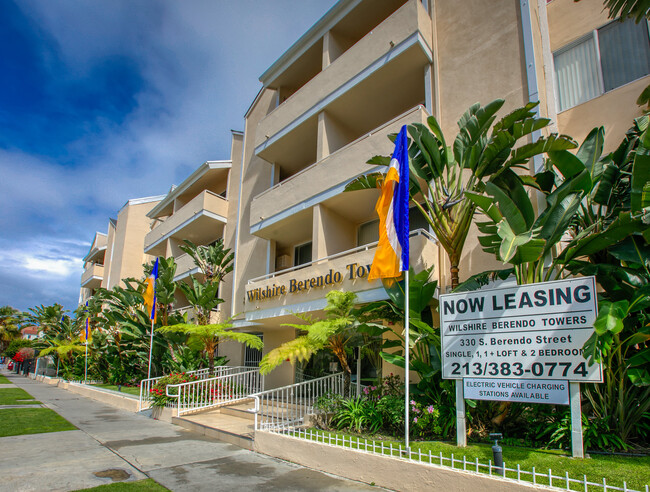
[86, 368]
[150, 351]
[407, 348]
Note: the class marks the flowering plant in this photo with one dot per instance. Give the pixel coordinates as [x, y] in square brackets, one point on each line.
[424, 420]
[159, 391]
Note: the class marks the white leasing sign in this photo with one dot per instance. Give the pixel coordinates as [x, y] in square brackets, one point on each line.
[519, 390]
[528, 331]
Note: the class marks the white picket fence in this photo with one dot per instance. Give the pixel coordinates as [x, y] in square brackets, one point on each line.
[544, 479]
[146, 385]
[217, 391]
[287, 407]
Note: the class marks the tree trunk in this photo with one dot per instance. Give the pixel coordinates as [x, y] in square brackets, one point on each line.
[454, 260]
[211, 362]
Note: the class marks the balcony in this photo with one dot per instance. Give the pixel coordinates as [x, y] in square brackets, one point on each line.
[201, 220]
[92, 276]
[326, 178]
[405, 29]
[184, 267]
[303, 289]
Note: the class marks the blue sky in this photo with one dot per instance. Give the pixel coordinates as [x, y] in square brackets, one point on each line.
[106, 100]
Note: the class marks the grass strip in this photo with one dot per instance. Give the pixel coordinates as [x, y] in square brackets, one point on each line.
[148, 485]
[131, 390]
[633, 470]
[21, 421]
[4, 380]
[14, 396]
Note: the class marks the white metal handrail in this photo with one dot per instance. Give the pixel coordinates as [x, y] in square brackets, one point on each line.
[146, 385]
[365, 247]
[287, 406]
[214, 392]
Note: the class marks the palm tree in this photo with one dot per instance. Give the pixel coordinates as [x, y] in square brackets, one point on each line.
[441, 175]
[210, 335]
[334, 333]
[10, 322]
[64, 349]
[214, 261]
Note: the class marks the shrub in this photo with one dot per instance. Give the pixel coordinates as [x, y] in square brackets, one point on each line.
[159, 390]
[359, 415]
[425, 420]
[392, 410]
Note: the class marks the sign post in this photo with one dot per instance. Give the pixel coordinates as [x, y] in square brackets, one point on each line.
[532, 334]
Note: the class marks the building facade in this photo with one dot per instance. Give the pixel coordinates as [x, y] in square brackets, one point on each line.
[328, 104]
[119, 253]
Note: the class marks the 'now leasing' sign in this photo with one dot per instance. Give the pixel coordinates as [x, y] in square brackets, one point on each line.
[527, 331]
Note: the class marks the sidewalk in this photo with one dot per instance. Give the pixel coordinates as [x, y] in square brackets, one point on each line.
[116, 442]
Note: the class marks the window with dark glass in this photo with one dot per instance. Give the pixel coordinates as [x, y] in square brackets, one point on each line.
[605, 59]
[302, 254]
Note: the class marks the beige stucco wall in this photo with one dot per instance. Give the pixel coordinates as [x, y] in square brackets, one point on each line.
[128, 246]
[274, 336]
[391, 473]
[614, 110]
[108, 256]
[251, 255]
[568, 20]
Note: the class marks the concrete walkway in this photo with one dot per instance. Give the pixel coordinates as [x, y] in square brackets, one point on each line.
[116, 443]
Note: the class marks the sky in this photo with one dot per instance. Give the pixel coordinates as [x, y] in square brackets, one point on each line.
[106, 100]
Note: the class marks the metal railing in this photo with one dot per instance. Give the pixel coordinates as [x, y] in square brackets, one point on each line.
[286, 407]
[146, 385]
[214, 392]
[398, 450]
[365, 247]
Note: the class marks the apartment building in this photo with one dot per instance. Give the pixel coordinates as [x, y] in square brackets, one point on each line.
[196, 210]
[327, 105]
[119, 253]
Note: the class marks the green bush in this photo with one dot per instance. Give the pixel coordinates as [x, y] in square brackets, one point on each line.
[425, 420]
[15, 345]
[159, 390]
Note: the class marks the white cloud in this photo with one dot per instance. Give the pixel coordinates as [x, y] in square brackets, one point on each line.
[198, 61]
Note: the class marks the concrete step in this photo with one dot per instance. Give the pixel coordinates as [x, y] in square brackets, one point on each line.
[226, 428]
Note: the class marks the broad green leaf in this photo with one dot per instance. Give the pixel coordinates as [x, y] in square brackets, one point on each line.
[395, 359]
[640, 359]
[486, 204]
[379, 160]
[567, 163]
[606, 183]
[365, 182]
[511, 184]
[640, 192]
[508, 208]
[639, 376]
[510, 241]
[591, 149]
[610, 317]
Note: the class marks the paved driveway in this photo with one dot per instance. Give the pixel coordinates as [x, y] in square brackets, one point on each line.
[116, 443]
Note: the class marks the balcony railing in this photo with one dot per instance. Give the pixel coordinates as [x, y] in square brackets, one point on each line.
[287, 289]
[389, 36]
[205, 203]
[92, 276]
[343, 165]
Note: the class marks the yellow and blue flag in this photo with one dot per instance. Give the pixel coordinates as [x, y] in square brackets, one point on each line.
[85, 336]
[392, 255]
[150, 292]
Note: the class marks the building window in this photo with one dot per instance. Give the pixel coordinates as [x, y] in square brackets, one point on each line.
[253, 356]
[607, 58]
[302, 254]
[368, 232]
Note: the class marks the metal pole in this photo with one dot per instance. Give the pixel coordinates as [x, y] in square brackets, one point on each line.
[150, 352]
[57, 366]
[86, 367]
[461, 430]
[358, 372]
[407, 347]
[577, 446]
